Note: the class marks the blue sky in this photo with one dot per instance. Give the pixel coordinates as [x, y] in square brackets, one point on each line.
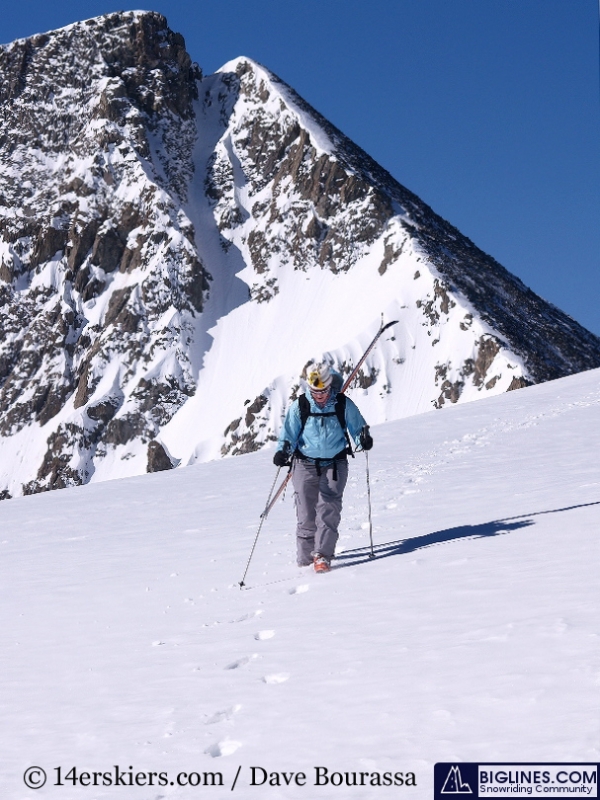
[489, 110]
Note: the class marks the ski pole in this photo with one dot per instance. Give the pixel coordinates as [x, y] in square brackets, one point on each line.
[278, 493]
[263, 517]
[372, 553]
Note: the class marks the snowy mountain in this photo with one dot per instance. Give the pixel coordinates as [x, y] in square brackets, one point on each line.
[176, 248]
[472, 636]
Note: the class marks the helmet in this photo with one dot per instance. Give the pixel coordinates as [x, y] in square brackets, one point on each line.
[319, 377]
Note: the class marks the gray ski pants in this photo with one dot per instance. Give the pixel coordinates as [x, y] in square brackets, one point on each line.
[318, 508]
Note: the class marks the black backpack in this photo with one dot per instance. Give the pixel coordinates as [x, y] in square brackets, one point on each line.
[339, 412]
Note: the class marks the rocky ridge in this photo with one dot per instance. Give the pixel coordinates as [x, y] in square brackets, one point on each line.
[99, 275]
[156, 227]
[341, 209]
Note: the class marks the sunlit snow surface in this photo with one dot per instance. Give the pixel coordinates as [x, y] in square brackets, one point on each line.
[473, 635]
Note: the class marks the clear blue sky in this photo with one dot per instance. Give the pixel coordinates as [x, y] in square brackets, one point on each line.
[489, 110]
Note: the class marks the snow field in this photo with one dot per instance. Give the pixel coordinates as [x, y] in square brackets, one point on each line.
[473, 635]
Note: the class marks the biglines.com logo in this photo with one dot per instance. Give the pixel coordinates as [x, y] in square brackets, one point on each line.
[544, 781]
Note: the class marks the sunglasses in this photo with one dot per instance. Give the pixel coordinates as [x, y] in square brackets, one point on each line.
[319, 391]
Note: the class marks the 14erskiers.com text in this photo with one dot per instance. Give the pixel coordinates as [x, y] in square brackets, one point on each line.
[35, 777]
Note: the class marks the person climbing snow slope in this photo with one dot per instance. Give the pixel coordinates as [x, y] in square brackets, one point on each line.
[316, 439]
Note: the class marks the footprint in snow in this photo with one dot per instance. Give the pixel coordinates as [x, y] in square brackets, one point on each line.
[222, 716]
[241, 662]
[245, 617]
[262, 635]
[278, 677]
[224, 748]
[304, 587]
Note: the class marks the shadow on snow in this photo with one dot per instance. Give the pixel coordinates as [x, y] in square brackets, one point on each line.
[403, 546]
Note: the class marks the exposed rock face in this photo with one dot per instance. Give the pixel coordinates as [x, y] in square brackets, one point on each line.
[343, 202]
[98, 265]
[158, 458]
[341, 207]
[158, 232]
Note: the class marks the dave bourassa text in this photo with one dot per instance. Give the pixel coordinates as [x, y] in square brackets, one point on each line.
[322, 776]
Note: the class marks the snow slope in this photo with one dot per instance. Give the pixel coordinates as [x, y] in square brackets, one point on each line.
[472, 636]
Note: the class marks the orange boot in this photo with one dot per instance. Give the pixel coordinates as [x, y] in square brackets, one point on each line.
[321, 563]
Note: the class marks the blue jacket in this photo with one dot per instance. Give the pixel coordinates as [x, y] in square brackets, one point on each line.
[322, 438]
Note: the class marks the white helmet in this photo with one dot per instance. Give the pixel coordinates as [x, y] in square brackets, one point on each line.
[319, 377]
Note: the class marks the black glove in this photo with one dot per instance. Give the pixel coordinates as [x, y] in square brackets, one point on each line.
[282, 457]
[366, 440]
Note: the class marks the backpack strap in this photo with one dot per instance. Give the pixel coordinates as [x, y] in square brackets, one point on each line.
[339, 412]
[304, 407]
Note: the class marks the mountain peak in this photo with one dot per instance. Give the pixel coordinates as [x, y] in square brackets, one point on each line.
[126, 46]
[175, 248]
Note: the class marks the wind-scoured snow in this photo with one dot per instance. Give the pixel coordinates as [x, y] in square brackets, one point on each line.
[472, 636]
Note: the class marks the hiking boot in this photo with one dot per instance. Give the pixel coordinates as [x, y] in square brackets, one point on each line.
[321, 563]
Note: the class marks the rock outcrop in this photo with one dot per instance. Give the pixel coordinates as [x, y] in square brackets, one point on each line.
[99, 271]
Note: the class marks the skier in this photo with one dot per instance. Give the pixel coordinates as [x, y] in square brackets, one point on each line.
[315, 438]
